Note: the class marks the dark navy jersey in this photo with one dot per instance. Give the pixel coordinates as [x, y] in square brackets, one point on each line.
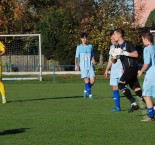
[126, 60]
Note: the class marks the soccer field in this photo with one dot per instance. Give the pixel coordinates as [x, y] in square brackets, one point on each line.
[46, 113]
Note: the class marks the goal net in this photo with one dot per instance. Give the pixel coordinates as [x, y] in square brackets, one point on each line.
[22, 60]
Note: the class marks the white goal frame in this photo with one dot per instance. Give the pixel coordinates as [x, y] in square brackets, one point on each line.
[153, 33]
[26, 73]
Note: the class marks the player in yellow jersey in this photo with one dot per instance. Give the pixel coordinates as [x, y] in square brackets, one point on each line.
[2, 88]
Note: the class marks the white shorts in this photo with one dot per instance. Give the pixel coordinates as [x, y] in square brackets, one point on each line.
[114, 81]
[148, 90]
[87, 74]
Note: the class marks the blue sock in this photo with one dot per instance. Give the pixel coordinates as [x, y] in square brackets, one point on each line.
[88, 88]
[90, 85]
[116, 98]
[151, 112]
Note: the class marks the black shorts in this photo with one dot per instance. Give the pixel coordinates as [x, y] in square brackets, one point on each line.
[130, 77]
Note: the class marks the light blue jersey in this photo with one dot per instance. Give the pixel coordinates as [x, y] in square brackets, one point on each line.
[85, 53]
[149, 58]
[149, 80]
[116, 69]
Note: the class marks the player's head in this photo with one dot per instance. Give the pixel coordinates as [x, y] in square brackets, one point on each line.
[84, 37]
[112, 39]
[118, 34]
[147, 38]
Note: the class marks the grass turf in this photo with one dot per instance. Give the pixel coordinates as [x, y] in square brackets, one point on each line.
[46, 113]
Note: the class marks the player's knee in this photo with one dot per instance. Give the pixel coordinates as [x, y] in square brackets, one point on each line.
[86, 80]
[92, 80]
[137, 89]
[121, 86]
[114, 87]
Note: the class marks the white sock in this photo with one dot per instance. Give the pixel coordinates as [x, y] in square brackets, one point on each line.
[134, 104]
[90, 95]
[3, 97]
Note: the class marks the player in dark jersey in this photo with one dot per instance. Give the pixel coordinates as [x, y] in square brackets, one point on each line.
[129, 61]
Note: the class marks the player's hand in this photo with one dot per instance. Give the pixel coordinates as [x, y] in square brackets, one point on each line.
[94, 62]
[115, 54]
[118, 51]
[106, 74]
[111, 51]
[125, 53]
[139, 73]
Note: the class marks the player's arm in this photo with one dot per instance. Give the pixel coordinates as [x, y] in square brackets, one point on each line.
[92, 54]
[93, 60]
[77, 59]
[76, 64]
[2, 49]
[107, 68]
[133, 52]
[146, 62]
[2, 52]
[143, 69]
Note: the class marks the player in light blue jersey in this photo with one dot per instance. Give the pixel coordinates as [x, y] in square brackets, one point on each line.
[84, 60]
[149, 67]
[115, 74]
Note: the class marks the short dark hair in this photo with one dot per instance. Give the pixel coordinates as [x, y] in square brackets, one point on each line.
[84, 34]
[120, 31]
[148, 36]
[111, 33]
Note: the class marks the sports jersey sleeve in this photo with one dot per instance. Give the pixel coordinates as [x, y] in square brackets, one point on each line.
[77, 55]
[131, 47]
[111, 47]
[2, 46]
[92, 51]
[147, 56]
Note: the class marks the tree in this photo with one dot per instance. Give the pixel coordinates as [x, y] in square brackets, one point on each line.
[151, 20]
[109, 15]
[98, 19]
[11, 12]
[56, 30]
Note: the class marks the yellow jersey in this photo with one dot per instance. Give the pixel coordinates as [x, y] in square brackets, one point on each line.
[2, 46]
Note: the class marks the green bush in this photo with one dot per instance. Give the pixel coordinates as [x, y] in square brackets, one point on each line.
[99, 69]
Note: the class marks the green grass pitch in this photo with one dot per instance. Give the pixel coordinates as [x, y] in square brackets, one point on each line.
[46, 113]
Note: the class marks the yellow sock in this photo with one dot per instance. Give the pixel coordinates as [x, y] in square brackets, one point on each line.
[2, 89]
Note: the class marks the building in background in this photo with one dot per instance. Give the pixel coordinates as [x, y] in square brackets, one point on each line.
[142, 9]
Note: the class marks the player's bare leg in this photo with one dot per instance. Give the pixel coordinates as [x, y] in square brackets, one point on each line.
[2, 88]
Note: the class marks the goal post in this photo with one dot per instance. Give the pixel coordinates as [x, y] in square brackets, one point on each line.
[23, 58]
[153, 33]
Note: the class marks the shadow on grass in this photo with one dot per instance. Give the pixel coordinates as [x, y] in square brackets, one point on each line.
[39, 99]
[13, 131]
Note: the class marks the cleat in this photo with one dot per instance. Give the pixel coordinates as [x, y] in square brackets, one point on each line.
[133, 108]
[116, 110]
[4, 101]
[84, 95]
[148, 119]
[91, 97]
